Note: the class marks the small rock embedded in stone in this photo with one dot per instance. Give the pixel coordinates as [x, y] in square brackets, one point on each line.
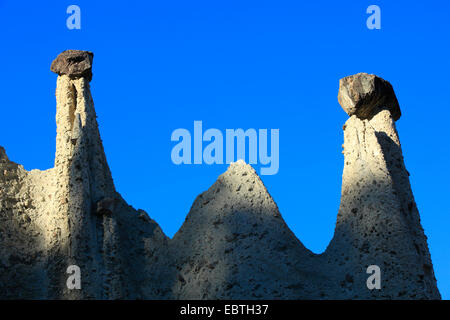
[365, 94]
[106, 206]
[74, 63]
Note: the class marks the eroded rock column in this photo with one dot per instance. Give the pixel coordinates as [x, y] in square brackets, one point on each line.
[378, 222]
[83, 181]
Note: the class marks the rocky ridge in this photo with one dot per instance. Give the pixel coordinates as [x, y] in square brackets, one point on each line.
[234, 243]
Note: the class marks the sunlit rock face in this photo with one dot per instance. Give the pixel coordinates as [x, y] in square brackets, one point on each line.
[378, 222]
[72, 215]
[234, 243]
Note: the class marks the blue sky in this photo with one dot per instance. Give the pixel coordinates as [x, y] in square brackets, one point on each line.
[160, 65]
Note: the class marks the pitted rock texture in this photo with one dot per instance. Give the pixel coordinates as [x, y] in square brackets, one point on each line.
[234, 243]
[49, 219]
[378, 222]
[364, 94]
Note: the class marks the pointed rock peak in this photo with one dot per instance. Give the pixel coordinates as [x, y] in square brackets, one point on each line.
[240, 166]
[74, 63]
[241, 175]
[364, 95]
[3, 156]
[237, 189]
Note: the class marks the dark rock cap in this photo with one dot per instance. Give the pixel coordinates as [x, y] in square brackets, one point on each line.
[74, 63]
[364, 94]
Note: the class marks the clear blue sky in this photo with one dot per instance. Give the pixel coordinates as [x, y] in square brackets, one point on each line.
[160, 65]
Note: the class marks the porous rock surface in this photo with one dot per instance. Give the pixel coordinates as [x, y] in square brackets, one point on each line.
[234, 243]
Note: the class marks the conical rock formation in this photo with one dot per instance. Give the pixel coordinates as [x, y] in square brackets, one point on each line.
[234, 243]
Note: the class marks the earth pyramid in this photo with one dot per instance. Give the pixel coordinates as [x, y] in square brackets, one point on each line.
[234, 243]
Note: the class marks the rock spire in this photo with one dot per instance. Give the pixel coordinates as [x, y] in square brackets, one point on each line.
[234, 243]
